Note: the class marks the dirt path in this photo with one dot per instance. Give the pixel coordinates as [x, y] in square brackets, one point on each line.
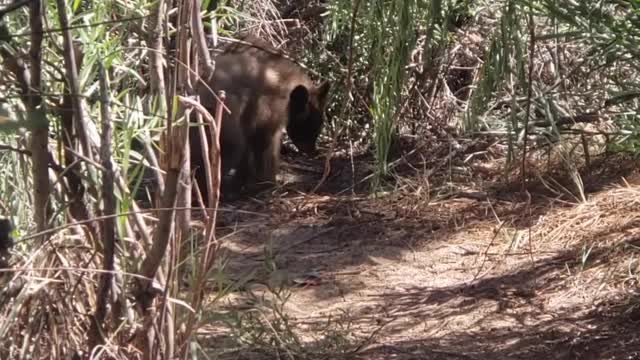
[406, 278]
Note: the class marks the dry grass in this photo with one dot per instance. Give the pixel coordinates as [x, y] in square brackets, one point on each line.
[47, 298]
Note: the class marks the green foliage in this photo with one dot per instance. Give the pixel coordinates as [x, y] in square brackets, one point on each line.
[383, 38]
[629, 140]
[505, 58]
[592, 69]
[393, 39]
[14, 178]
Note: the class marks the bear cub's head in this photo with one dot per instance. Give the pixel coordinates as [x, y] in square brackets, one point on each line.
[306, 115]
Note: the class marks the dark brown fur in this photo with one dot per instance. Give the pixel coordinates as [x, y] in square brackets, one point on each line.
[265, 92]
[6, 242]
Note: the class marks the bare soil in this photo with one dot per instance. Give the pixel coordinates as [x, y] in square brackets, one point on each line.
[452, 263]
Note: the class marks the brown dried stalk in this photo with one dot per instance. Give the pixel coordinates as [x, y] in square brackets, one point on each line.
[108, 227]
[72, 77]
[40, 132]
[177, 174]
[154, 41]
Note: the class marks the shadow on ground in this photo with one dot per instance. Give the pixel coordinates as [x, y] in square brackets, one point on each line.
[518, 325]
[427, 277]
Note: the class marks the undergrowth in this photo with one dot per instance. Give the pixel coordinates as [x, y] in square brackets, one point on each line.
[553, 84]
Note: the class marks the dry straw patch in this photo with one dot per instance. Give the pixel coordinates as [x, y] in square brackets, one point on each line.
[48, 297]
[603, 231]
[607, 213]
[43, 317]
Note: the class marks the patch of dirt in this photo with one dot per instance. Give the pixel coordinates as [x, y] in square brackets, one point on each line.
[473, 270]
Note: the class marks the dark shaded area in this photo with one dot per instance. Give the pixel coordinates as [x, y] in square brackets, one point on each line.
[6, 241]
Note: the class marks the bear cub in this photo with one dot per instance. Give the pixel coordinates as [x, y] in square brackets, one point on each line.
[265, 92]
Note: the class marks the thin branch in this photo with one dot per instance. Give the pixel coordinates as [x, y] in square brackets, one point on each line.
[156, 56]
[72, 77]
[532, 48]
[14, 149]
[40, 131]
[83, 26]
[12, 7]
[200, 41]
[108, 228]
